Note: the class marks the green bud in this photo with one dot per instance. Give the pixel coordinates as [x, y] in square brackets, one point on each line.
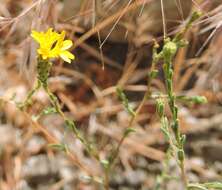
[182, 43]
[199, 99]
[195, 16]
[160, 107]
[169, 49]
[43, 69]
[180, 154]
[156, 45]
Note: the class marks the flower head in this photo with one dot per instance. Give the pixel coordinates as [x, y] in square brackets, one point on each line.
[53, 45]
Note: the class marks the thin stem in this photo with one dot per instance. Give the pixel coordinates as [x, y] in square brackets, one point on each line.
[147, 94]
[106, 180]
[116, 152]
[70, 123]
[110, 162]
[163, 19]
[29, 96]
[54, 101]
[169, 50]
[183, 173]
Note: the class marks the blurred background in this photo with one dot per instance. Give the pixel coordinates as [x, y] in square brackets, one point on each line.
[113, 46]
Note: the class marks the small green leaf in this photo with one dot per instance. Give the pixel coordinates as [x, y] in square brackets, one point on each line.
[105, 163]
[206, 186]
[196, 187]
[153, 74]
[180, 154]
[128, 131]
[165, 128]
[35, 117]
[70, 125]
[214, 185]
[199, 99]
[195, 16]
[49, 110]
[183, 139]
[86, 178]
[160, 107]
[46, 111]
[182, 43]
[61, 147]
[124, 101]
[193, 99]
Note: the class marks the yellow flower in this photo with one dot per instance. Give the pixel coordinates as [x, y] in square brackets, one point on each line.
[53, 45]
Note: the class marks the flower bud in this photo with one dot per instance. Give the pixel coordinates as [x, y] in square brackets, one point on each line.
[169, 49]
[180, 154]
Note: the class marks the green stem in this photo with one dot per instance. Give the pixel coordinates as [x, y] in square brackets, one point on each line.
[70, 123]
[43, 68]
[152, 74]
[169, 51]
[106, 180]
[27, 101]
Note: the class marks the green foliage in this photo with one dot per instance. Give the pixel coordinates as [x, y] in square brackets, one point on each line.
[105, 163]
[193, 99]
[128, 131]
[213, 185]
[160, 107]
[43, 69]
[165, 128]
[205, 186]
[124, 101]
[169, 49]
[44, 112]
[153, 74]
[175, 138]
[60, 147]
[170, 126]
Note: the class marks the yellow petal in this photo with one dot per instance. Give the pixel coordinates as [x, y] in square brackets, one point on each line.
[62, 36]
[44, 56]
[53, 45]
[66, 44]
[37, 36]
[66, 56]
[49, 31]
